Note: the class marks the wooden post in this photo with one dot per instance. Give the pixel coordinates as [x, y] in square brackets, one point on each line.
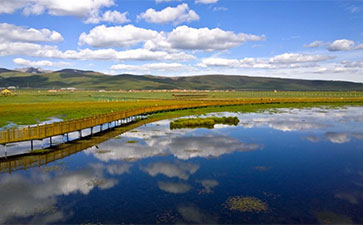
[5, 151]
[50, 141]
[31, 145]
[80, 134]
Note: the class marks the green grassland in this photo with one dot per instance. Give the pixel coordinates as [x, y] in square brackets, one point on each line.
[94, 81]
[33, 106]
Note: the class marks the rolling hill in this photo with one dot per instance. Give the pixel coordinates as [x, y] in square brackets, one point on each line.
[93, 80]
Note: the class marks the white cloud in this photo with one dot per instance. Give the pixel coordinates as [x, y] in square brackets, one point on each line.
[188, 38]
[109, 16]
[42, 63]
[11, 6]
[287, 58]
[314, 44]
[117, 36]
[86, 9]
[243, 63]
[341, 45]
[180, 38]
[184, 37]
[352, 64]
[46, 51]
[177, 15]
[335, 69]
[151, 67]
[206, 1]
[344, 45]
[291, 60]
[10, 32]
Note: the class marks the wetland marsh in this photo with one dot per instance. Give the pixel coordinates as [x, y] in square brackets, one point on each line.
[284, 165]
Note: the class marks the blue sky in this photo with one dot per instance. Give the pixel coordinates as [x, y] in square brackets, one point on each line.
[291, 39]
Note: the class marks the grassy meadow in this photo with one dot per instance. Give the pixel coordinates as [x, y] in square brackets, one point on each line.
[26, 107]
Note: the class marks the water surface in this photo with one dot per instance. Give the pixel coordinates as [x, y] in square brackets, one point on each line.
[304, 165]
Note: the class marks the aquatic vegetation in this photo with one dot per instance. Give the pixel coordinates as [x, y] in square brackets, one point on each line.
[167, 217]
[208, 122]
[132, 141]
[245, 204]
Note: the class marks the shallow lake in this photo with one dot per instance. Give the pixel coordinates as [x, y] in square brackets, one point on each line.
[286, 166]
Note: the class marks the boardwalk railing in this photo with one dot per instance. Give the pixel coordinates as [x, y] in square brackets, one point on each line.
[49, 130]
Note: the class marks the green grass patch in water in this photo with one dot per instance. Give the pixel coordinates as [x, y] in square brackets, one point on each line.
[245, 204]
[208, 122]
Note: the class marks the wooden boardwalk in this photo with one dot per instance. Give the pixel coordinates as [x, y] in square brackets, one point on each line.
[40, 132]
[38, 159]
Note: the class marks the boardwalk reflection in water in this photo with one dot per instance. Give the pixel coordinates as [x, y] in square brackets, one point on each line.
[303, 166]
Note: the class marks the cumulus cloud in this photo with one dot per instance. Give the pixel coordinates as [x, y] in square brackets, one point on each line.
[206, 1]
[337, 45]
[110, 17]
[10, 33]
[243, 63]
[116, 36]
[344, 45]
[42, 63]
[188, 38]
[335, 69]
[288, 58]
[151, 67]
[291, 60]
[175, 15]
[86, 9]
[341, 45]
[180, 38]
[46, 51]
[352, 64]
[314, 44]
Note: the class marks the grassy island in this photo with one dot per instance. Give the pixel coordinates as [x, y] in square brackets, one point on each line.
[208, 122]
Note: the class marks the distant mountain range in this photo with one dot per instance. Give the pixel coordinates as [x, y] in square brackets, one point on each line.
[37, 78]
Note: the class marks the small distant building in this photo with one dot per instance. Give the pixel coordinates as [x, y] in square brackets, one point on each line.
[275, 91]
[6, 92]
[71, 89]
[52, 91]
